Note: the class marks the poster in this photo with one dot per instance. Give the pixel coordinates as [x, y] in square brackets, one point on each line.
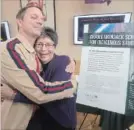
[81, 20]
[106, 79]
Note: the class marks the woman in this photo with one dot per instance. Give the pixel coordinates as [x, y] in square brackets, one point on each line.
[58, 115]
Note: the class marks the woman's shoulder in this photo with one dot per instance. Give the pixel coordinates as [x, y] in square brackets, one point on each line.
[61, 60]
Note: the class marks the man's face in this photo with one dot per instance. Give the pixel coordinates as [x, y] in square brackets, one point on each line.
[32, 22]
[45, 49]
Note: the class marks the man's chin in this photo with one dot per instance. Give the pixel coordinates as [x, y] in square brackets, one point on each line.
[36, 34]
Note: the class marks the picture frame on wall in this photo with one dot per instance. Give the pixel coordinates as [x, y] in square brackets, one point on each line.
[80, 20]
[5, 31]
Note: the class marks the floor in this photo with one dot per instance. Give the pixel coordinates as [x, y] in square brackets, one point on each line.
[90, 123]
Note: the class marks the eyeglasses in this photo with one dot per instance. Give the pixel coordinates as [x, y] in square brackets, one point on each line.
[41, 45]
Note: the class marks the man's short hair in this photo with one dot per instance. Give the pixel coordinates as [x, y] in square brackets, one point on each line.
[50, 33]
[22, 11]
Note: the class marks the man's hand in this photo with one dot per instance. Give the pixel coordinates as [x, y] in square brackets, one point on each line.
[6, 93]
[71, 67]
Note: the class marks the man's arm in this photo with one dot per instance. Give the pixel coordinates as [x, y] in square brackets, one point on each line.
[27, 81]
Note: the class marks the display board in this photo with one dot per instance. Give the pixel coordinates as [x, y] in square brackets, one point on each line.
[106, 79]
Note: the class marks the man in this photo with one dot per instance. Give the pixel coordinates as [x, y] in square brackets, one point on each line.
[20, 68]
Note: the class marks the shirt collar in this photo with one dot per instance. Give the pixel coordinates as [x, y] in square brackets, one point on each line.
[26, 44]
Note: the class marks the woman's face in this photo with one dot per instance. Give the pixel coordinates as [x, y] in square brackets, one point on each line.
[45, 49]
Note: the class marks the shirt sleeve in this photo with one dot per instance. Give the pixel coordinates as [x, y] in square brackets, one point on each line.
[59, 73]
[18, 75]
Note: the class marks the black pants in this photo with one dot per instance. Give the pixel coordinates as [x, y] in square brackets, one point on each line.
[42, 120]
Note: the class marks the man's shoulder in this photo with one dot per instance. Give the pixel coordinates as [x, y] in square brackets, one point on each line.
[9, 41]
[3, 45]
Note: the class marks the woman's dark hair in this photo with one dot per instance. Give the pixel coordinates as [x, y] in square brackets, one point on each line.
[49, 32]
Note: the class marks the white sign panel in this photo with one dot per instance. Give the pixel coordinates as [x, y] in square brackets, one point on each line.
[103, 78]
